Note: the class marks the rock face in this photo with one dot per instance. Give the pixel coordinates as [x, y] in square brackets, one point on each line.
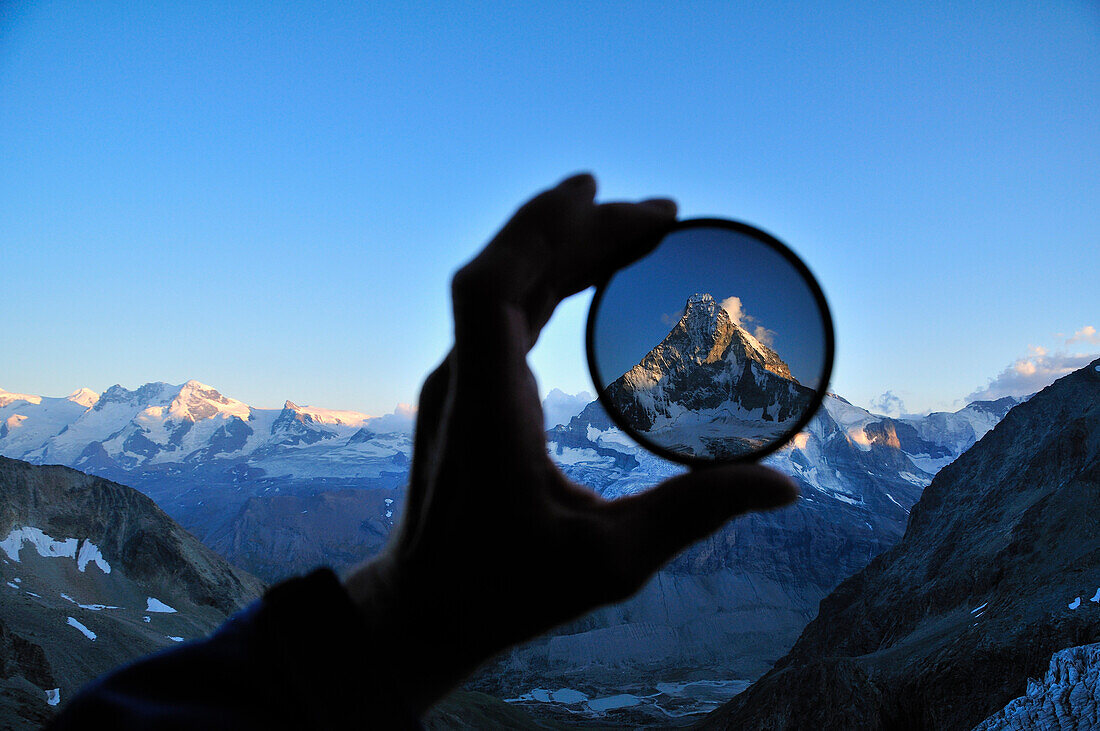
[998, 569]
[1066, 699]
[709, 388]
[93, 575]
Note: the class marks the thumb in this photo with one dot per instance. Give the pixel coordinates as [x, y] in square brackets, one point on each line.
[661, 522]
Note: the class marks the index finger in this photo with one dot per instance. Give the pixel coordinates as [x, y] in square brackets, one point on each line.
[557, 244]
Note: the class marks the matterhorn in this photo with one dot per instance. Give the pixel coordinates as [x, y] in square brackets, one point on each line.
[710, 389]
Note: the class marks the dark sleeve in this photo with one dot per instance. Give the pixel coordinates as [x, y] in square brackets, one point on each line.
[298, 658]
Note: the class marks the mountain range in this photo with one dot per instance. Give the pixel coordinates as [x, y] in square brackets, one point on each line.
[201, 455]
[730, 606]
[277, 491]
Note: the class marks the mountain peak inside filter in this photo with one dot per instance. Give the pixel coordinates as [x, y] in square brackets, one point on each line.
[710, 388]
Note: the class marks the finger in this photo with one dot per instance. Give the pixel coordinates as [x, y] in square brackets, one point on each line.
[517, 260]
[622, 233]
[557, 244]
[656, 525]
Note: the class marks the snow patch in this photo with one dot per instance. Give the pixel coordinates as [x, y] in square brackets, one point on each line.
[83, 630]
[1075, 603]
[1096, 596]
[844, 498]
[86, 397]
[975, 610]
[44, 544]
[49, 547]
[90, 553]
[7, 397]
[53, 696]
[895, 502]
[572, 455]
[156, 605]
[174, 639]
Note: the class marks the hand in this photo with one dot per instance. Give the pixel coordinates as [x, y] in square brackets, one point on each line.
[496, 545]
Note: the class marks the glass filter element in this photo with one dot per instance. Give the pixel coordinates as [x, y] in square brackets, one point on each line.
[716, 347]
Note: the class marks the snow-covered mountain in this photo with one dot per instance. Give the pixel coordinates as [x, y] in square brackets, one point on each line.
[161, 424]
[709, 388]
[200, 454]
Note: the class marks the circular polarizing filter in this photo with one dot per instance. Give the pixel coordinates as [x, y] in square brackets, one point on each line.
[716, 347]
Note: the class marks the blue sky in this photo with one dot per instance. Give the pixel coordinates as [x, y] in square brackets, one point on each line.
[271, 197]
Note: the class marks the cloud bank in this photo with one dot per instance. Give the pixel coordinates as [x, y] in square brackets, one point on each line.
[1027, 375]
[402, 419]
[1087, 334]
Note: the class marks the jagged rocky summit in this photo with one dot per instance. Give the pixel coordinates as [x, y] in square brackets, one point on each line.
[709, 388]
[998, 569]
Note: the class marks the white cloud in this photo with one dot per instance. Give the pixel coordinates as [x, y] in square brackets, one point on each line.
[1087, 334]
[764, 335]
[889, 404]
[559, 407]
[401, 420]
[736, 311]
[1027, 375]
[671, 318]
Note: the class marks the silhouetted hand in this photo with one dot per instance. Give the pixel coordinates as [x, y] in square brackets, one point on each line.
[496, 545]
